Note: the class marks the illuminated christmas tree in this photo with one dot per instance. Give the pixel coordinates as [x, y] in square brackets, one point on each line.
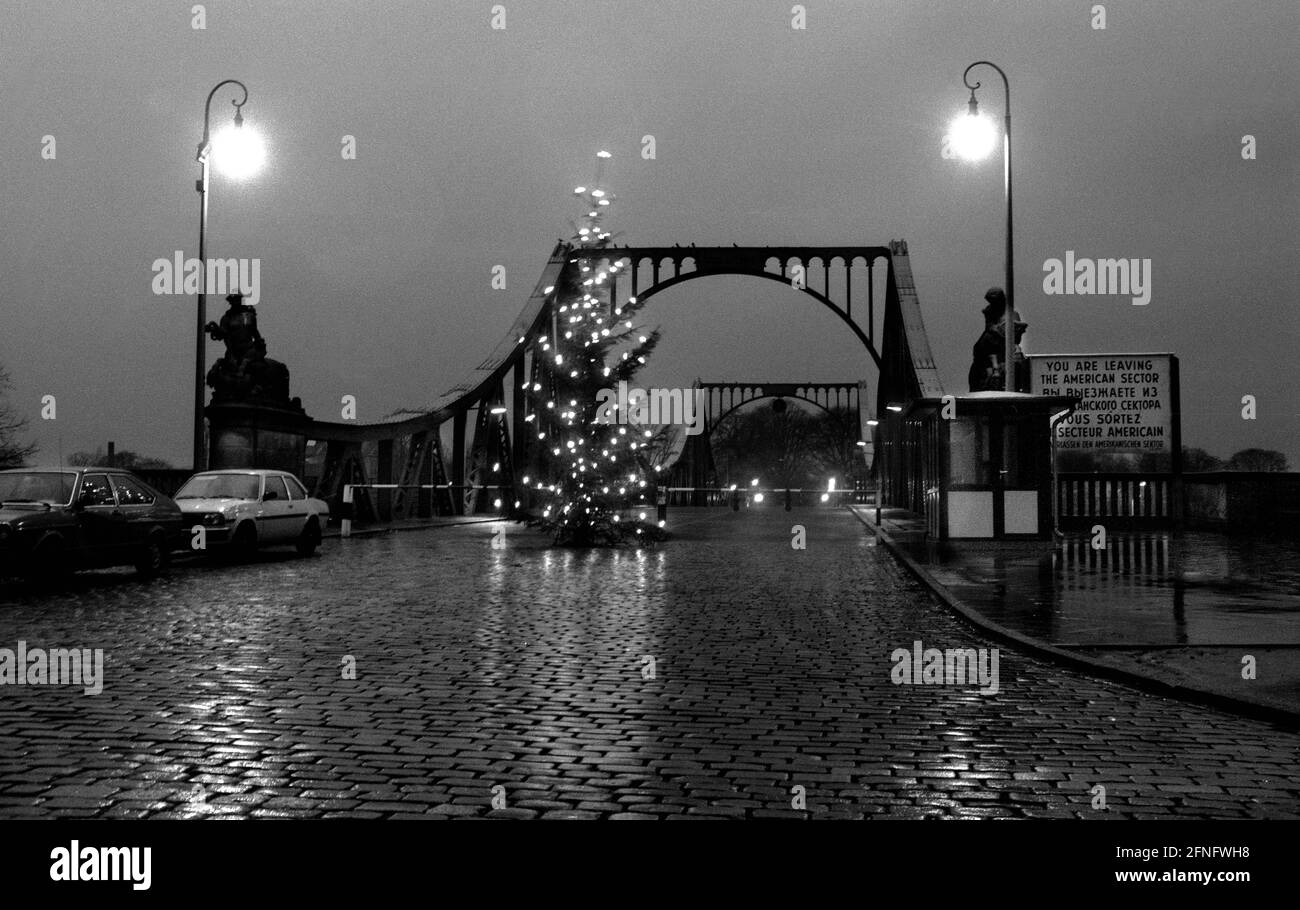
[593, 479]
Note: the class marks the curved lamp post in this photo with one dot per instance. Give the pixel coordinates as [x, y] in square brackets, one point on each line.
[238, 154]
[974, 137]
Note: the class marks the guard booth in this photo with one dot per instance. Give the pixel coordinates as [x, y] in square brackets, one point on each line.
[980, 465]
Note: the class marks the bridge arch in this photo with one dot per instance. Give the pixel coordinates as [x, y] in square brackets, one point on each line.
[723, 398]
[717, 421]
[821, 298]
[671, 266]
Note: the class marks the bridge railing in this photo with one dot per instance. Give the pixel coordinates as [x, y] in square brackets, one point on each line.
[1250, 501]
[798, 496]
[1127, 499]
[347, 511]
[1243, 501]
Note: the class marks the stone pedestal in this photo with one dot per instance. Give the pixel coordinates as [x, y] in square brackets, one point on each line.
[257, 436]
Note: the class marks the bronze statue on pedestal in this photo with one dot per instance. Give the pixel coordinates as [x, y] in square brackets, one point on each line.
[245, 375]
[986, 370]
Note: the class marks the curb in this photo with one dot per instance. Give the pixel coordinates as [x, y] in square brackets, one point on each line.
[1109, 671]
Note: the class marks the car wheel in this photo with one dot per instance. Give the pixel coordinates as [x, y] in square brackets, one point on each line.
[152, 559]
[309, 539]
[244, 544]
[49, 563]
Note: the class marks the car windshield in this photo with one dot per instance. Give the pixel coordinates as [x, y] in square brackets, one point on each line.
[220, 486]
[54, 487]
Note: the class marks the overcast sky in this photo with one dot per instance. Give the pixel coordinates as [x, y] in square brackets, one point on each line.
[376, 271]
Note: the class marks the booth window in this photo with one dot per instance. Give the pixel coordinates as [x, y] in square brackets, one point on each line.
[969, 452]
[1017, 451]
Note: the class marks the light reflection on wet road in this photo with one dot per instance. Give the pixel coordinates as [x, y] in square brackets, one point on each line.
[526, 667]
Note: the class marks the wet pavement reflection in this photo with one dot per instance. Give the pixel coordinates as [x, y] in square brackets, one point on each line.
[1154, 589]
[709, 677]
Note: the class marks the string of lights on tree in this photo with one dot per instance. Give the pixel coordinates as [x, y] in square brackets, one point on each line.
[592, 478]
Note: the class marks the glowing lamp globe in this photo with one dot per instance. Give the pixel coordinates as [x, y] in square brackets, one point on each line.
[973, 136]
[238, 152]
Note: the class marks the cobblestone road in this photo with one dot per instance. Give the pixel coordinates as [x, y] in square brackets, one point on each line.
[524, 668]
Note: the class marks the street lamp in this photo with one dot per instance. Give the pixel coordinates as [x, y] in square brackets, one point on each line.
[973, 137]
[238, 153]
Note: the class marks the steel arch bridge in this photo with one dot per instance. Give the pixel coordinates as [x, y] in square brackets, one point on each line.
[473, 444]
[695, 468]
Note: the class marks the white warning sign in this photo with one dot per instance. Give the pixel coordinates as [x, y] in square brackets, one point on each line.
[1127, 401]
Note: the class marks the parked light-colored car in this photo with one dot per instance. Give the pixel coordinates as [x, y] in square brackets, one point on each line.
[247, 508]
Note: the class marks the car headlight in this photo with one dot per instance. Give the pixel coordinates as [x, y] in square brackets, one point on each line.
[213, 518]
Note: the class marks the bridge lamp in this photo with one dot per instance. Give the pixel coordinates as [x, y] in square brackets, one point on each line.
[896, 408]
[754, 482]
[237, 152]
[974, 136]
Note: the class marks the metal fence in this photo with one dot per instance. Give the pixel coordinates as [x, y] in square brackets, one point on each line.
[1132, 498]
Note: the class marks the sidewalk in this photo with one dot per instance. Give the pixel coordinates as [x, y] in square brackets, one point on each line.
[1179, 616]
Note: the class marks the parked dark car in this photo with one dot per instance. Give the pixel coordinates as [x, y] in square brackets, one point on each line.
[57, 520]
